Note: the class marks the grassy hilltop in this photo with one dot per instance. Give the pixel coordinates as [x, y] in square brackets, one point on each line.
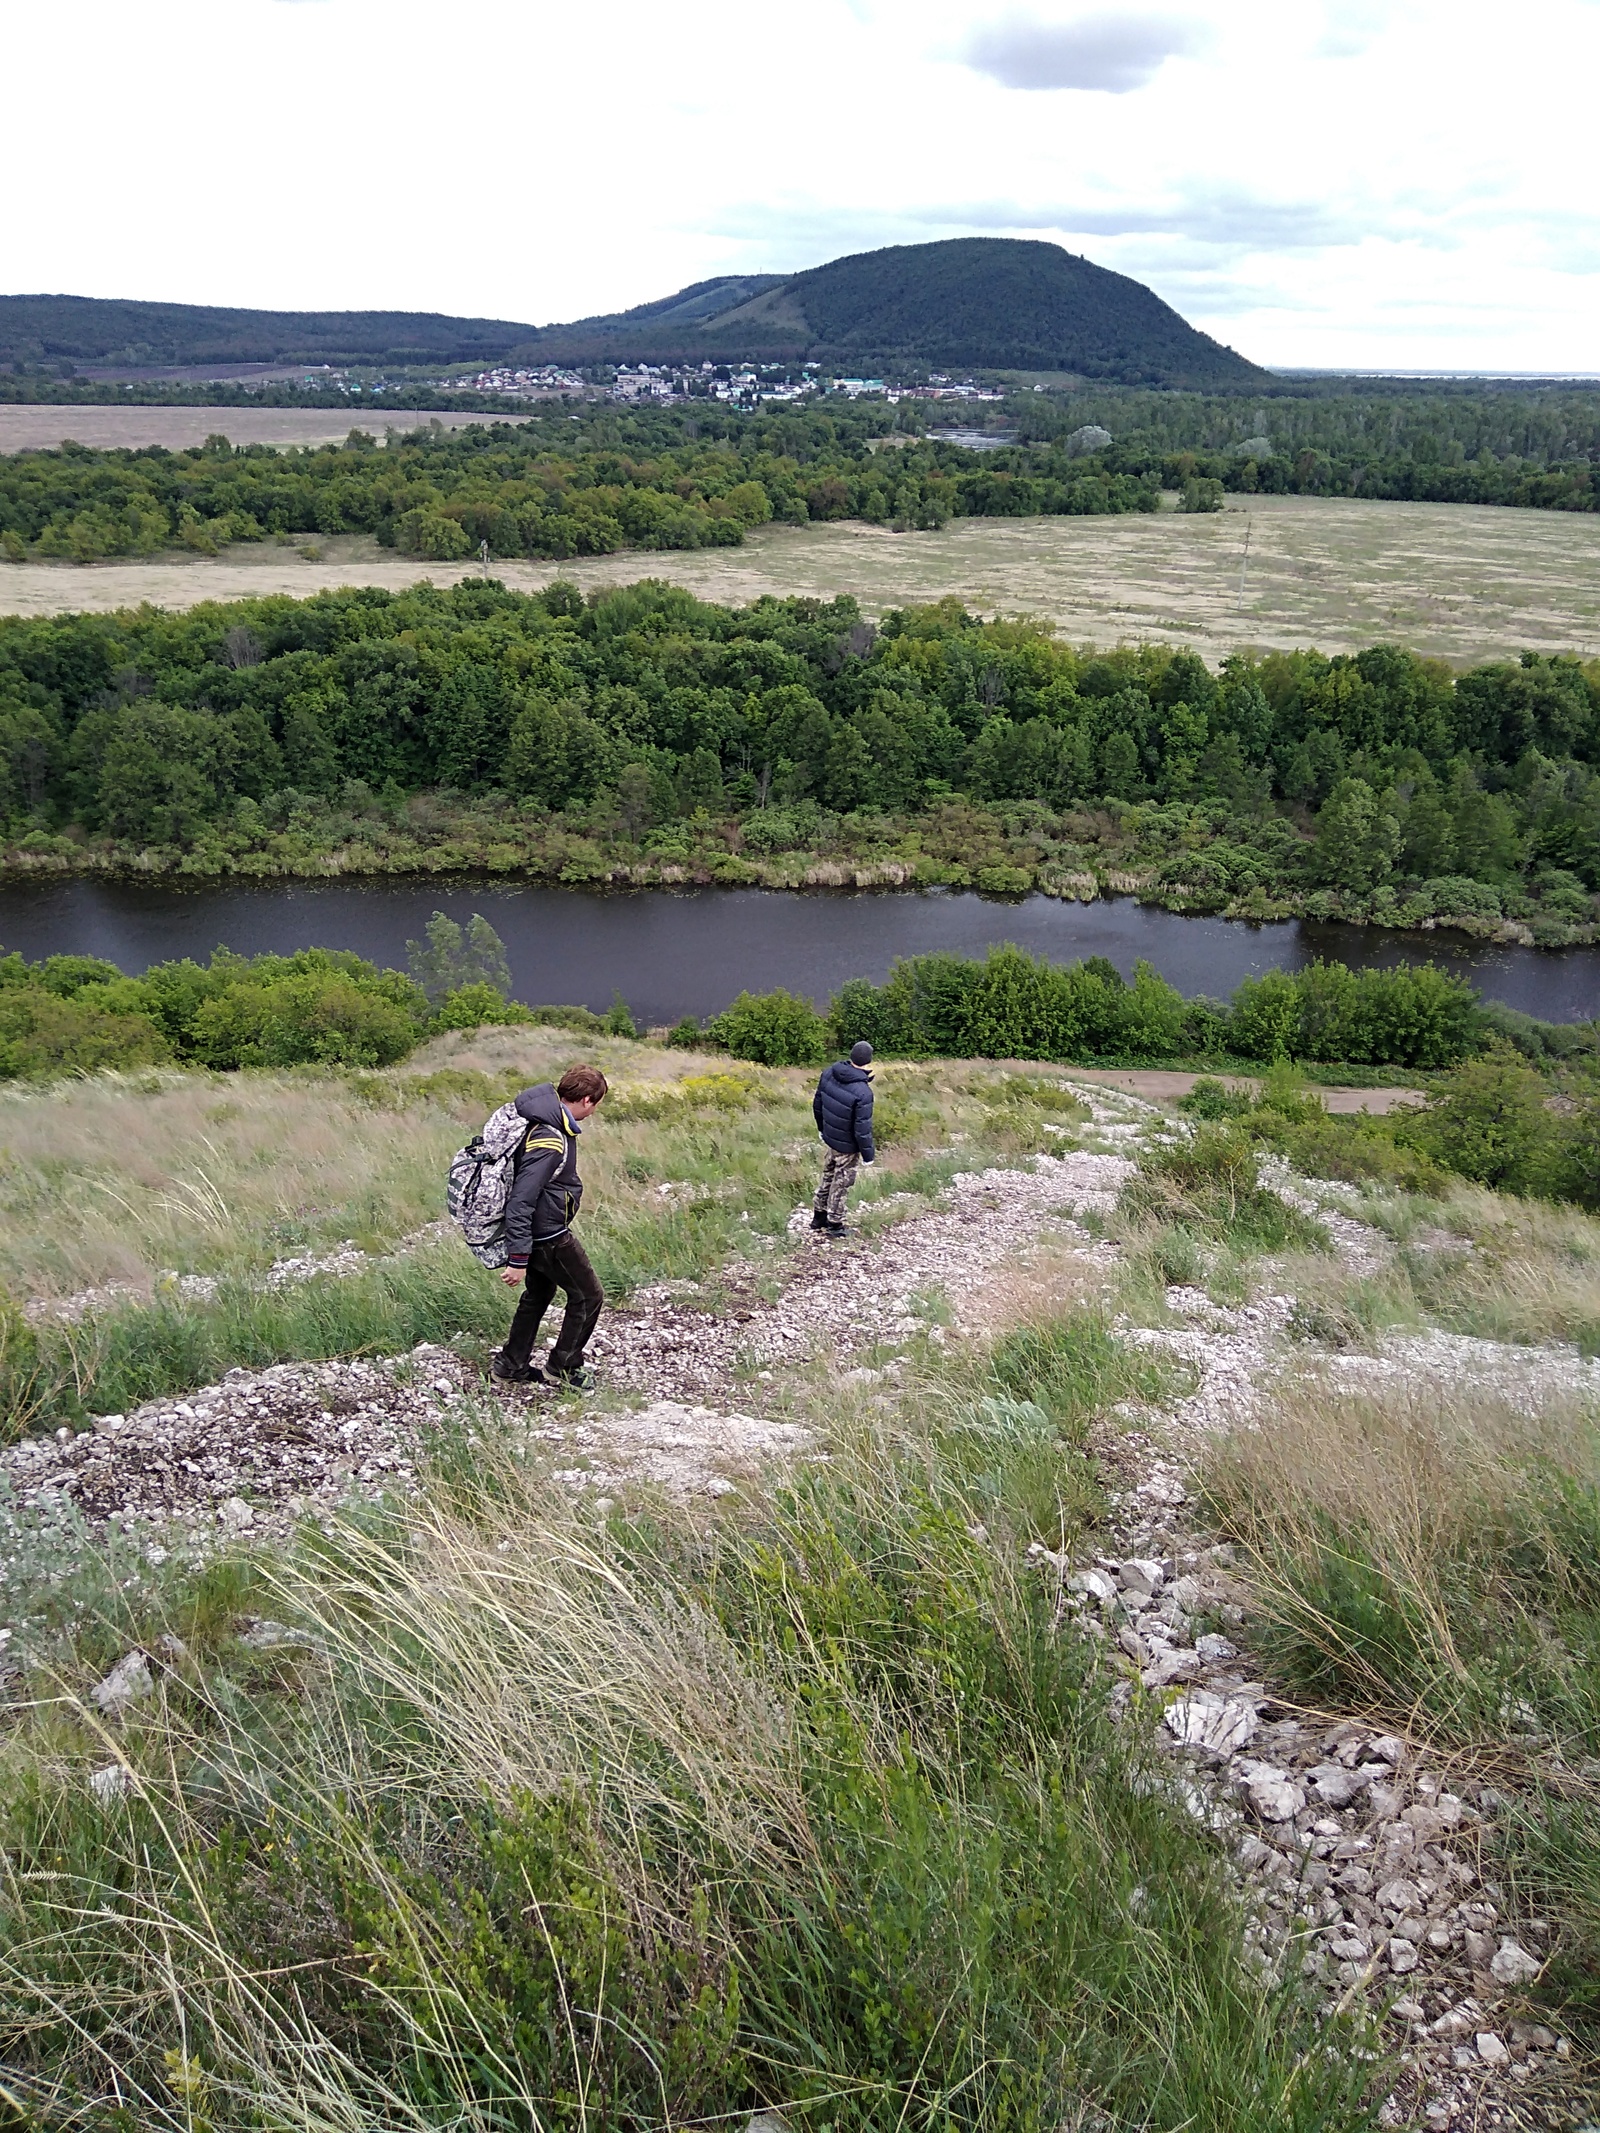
[573, 1782]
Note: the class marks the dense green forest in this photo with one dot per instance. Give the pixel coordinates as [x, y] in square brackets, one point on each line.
[565, 484]
[667, 480]
[96, 329]
[642, 735]
[1474, 443]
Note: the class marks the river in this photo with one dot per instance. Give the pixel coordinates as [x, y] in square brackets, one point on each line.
[677, 952]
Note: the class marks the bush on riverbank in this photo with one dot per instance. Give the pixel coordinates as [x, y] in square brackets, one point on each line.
[328, 1007]
[1013, 1007]
[1492, 1120]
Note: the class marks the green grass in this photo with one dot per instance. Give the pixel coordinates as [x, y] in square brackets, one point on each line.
[1430, 1557]
[560, 1823]
[1207, 1185]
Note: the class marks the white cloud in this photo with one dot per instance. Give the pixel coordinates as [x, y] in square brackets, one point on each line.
[1328, 181]
[1114, 52]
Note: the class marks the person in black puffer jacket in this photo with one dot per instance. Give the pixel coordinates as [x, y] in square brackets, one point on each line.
[842, 1108]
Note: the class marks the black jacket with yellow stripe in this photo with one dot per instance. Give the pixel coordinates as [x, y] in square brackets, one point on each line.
[545, 1186]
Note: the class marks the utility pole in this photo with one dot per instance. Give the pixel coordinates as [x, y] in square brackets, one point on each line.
[1244, 562]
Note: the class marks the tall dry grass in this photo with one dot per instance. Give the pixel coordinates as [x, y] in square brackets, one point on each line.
[1407, 1546]
[555, 1824]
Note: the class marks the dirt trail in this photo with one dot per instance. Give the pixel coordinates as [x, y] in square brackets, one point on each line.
[1163, 1085]
[1363, 1867]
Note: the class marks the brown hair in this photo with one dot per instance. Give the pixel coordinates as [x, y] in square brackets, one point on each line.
[581, 1084]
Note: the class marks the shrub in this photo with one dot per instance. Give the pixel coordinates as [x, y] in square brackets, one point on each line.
[618, 1019]
[775, 1028]
[1210, 1184]
[479, 1007]
[1488, 1122]
[42, 1034]
[432, 535]
[686, 1036]
[1414, 1015]
[312, 1018]
[1211, 1100]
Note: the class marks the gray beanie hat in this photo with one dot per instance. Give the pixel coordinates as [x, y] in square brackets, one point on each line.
[860, 1054]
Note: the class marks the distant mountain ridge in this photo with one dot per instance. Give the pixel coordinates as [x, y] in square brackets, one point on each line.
[993, 303]
[98, 329]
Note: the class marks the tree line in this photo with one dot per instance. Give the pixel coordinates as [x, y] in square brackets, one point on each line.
[555, 487]
[643, 722]
[1535, 448]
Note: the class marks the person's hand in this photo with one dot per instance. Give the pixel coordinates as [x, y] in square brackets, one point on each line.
[511, 1275]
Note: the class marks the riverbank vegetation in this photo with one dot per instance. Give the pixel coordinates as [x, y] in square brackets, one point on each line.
[642, 736]
[1514, 1104]
[73, 1014]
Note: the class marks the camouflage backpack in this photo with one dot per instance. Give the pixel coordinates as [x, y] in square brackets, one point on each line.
[480, 1184]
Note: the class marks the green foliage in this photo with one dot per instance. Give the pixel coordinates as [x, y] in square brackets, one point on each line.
[1489, 1121]
[546, 487]
[319, 1006]
[1412, 1015]
[1533, 447]
[686, 1036]
[1013, 1007]
[1201, 493]
[447, 958]
[776, 1028]
[646, 734]
[1212, 1100]
[479, 1006]
[619, 1020]
[1209, 1185]
[43, 1034]
[310, 1017]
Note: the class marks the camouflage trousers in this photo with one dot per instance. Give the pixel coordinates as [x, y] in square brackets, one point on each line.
[838, 1175]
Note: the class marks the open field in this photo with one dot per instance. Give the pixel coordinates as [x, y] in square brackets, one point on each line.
[1460, 582]
[34, 429]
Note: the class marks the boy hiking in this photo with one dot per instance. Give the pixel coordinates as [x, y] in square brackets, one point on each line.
[542, 1253]
[842, 1108]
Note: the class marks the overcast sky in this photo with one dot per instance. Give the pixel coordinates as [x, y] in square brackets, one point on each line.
[1374, 183]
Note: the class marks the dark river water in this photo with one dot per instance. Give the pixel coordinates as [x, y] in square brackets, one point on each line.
[672, 952]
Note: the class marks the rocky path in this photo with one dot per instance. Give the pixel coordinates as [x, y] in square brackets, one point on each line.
[1364, 1862]
[263, 1448]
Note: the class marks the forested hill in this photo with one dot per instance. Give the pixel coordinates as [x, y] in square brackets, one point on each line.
[984, 302]
[92, 329]
[989, 302]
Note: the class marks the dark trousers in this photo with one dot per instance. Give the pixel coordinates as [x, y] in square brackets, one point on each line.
[563, 1265]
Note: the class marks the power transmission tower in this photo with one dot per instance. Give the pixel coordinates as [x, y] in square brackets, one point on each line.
[1244, 562]
[483, 556]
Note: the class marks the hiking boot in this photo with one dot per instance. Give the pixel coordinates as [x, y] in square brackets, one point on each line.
[819, 1221]
[836, 1229]
[574, 1380]
[507, 1382]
